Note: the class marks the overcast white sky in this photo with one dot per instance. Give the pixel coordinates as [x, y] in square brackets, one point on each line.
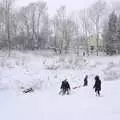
[72, 5]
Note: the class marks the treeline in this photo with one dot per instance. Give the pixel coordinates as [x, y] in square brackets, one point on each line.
[31, 27]
[111, 34]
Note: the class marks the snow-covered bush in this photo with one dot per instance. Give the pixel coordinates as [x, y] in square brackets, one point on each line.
[112, 72]
[65, 62]
[111, 75]
[35, 84]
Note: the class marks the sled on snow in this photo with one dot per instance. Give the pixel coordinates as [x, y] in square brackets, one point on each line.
[76, 87]
[29, 90]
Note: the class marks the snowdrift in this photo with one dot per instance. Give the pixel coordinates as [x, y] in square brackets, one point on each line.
[41, 71]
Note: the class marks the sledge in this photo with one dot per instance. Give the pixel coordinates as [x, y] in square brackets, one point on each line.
[28, 90]
[76, 87]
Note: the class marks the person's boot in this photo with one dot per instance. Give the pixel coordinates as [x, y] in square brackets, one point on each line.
[68, 93]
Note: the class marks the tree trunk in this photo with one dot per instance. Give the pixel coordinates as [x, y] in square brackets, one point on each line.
[97, 41]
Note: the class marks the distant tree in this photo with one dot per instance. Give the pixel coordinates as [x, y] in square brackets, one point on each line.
[85, 26]
[116, 37]
[7, 11]
[34, 24]
[96, 13]
[105, 35]
[63, 30]
[111, 33]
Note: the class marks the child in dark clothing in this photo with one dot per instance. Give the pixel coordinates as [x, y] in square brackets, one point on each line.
[97, 85]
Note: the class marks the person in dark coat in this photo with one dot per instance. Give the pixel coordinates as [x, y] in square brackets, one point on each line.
[83, 53]
[85, 81]
[97, 85]
[65, 87]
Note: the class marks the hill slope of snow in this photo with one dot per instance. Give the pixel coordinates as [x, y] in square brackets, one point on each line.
[44, 74]
[48, 105]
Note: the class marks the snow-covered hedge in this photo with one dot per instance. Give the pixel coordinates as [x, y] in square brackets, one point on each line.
[65, 62]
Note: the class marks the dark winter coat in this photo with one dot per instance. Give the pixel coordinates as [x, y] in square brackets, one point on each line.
[97, 85]
[85, 81]
[65, 85]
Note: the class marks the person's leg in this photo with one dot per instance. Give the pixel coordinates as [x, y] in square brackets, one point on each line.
[68, 92]
[63, 91]
[98, 92]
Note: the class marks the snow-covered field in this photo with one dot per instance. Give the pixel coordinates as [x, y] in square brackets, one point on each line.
[44, 72]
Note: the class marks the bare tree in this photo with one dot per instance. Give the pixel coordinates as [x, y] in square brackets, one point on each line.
[31, 22]
[64, 30]
[7, 5]
[86, 26]
[96, 13]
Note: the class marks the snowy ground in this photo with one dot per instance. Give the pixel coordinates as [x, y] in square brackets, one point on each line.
[44, 74]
